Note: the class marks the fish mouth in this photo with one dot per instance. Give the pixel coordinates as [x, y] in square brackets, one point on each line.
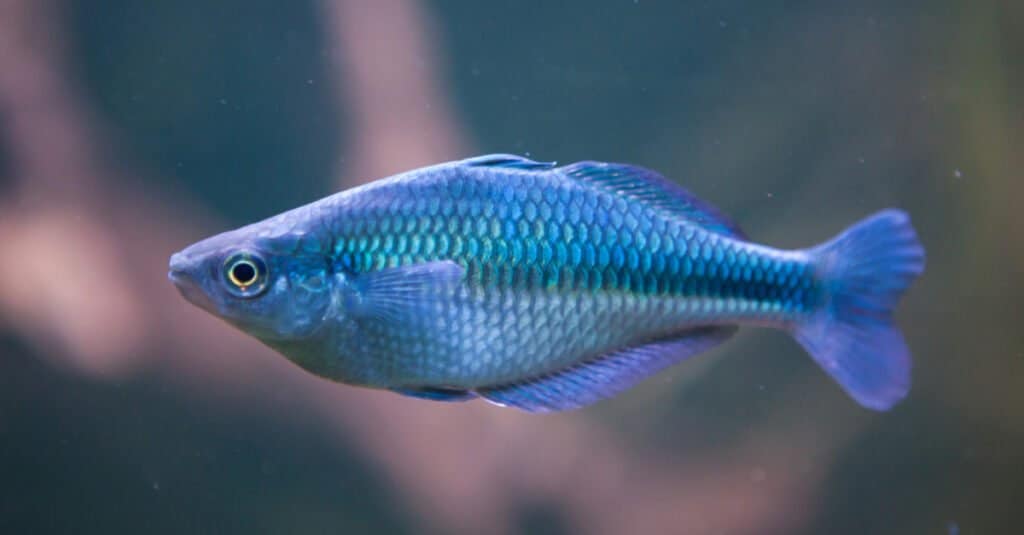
[178, 278]
[178, 267]
[181, 273]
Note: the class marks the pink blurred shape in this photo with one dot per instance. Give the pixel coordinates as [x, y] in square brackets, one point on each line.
[83, 276]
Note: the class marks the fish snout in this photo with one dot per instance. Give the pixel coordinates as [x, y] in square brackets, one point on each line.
[183, 271]
[179, 269]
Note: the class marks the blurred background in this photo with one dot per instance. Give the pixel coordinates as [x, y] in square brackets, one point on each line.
[130, 129]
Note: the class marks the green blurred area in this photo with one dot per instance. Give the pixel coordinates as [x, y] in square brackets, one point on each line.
[795, 117]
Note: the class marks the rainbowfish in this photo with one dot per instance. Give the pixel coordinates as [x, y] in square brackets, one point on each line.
[546, 288]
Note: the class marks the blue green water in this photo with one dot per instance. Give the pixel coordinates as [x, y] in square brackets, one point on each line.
[794, 118]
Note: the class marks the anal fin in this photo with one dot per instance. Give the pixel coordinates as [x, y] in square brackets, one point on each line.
[604, 376]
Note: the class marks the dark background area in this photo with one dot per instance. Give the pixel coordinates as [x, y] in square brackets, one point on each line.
[796, 118]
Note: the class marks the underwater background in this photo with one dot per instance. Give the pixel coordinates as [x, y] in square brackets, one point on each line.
[130, 129]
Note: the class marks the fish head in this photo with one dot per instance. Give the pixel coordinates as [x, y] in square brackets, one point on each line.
[275, 286]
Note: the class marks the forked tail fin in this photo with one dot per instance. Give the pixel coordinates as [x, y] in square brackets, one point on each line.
[863, 272]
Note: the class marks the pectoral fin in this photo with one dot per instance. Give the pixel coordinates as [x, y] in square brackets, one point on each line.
[395, 293]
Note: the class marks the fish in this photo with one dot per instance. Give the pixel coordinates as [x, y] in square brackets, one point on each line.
[544, 287]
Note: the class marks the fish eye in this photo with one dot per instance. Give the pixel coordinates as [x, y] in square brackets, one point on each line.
[245, 274]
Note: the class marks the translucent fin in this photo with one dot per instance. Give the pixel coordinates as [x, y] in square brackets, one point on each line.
[391, 294]
[864, 271]
[507, 160]
[436, 394]
[604, 376]
[650, 187]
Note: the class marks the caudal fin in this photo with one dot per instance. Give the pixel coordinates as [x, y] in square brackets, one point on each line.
[863, 272]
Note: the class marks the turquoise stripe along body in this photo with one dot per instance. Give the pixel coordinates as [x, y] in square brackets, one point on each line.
[558, 272]
[507, 278]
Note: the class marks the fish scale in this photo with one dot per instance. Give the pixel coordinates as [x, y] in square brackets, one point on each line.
[523, 265]
[544, 287]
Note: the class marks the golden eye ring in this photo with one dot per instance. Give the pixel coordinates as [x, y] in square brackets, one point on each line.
[245, 274]
[242, 273]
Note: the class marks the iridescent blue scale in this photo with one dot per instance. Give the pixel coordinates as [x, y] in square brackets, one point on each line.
[561, 239]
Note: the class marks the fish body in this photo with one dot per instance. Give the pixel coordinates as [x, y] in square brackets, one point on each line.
[545, 288]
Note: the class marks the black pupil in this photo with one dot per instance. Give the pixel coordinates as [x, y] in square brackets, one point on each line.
[244, 272]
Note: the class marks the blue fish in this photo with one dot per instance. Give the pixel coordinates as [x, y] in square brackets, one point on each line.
[546, 288]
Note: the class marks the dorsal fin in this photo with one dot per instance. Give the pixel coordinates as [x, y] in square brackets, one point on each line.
[650, 187]
[604, 376]
[510, 161]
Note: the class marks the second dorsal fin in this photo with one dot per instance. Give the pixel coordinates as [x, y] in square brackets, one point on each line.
[648, 186]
